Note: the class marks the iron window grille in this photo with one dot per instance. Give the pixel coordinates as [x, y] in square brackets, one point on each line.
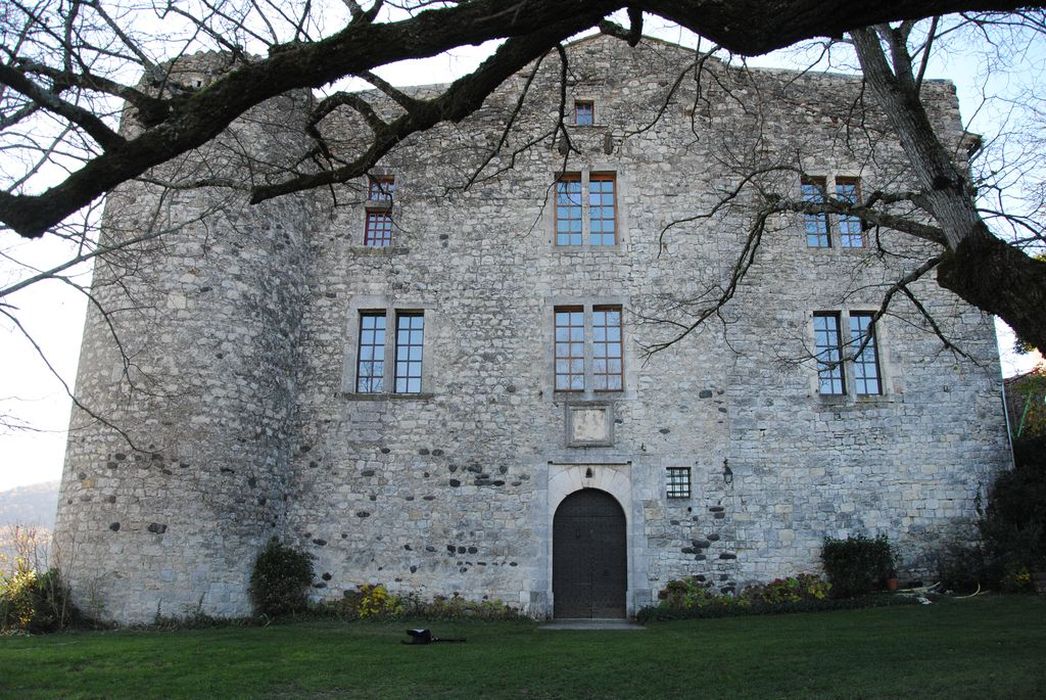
[678, 482]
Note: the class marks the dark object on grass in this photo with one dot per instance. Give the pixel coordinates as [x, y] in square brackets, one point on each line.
[426, 637]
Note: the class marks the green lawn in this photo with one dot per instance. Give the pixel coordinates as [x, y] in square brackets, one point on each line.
[980, 648]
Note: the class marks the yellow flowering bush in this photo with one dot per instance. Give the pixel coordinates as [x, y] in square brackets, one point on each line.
[374, 600]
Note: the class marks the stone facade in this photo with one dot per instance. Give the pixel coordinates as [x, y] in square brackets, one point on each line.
[236, 388]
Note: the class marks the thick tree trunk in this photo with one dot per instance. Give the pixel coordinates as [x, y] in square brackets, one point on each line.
[981, 268]
[999, 278]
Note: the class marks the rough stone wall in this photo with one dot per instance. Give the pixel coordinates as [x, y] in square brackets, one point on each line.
[454, 490]
[189, 361]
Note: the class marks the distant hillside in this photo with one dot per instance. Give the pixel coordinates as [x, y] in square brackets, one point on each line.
[33, 505]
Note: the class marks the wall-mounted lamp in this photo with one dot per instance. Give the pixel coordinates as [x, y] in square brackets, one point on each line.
[728, 476]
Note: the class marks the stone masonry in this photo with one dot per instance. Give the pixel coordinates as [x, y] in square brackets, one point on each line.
[232, 403]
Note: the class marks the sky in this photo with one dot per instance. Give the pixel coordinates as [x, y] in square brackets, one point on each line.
[34, 396]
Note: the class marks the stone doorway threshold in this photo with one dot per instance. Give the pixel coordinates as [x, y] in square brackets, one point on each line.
[590, 624]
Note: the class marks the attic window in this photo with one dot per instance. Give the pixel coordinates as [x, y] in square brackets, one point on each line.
[584, 113]
[381, 190]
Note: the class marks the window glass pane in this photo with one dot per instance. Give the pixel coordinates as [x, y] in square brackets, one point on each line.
[602, 214]
[816, 224]
[381, 189]
[370, 363]
[828, 353]
[568, 210]
[409, 347]
[851, 234]
[866, 362]
[606, 343]
[584, 113]
[379, 230]
[570, 357]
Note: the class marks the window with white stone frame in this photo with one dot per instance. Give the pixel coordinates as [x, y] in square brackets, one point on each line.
[847, 360]
[586, 210]
[837, 230]
[384, 367]
[588, 348]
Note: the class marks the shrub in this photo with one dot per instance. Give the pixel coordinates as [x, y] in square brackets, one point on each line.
[659, 613]
[690, 592]
[280, 579]
[375, 601]
[1013, 527]
[36, 603]
[16, 597]
[788, 590]
[962, 566]
[454, 607]
[31, 601]
[857, 565]
[692, 598]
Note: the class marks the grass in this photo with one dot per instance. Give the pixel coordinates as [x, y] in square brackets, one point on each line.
[984, 647]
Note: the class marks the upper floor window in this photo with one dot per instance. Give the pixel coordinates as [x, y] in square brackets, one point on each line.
[410, 337]
[862, 347]
[851, 230]
[378, 233]
[570, 348]
[370, 355]
[829, 354]
[378, 229]
[586, 208]
[602, 209]
[373, 360]
[607, 369]
[568, 209]
[584, 112]
[381, 189]
[818, 225]
[865, 362]
[588, 348]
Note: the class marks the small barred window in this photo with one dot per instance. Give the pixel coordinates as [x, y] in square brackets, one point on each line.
[679, 482]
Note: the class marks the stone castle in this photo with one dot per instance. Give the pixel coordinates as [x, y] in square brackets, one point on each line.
[439, 378]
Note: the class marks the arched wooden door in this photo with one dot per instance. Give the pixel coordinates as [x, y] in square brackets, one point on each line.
[589, 564]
